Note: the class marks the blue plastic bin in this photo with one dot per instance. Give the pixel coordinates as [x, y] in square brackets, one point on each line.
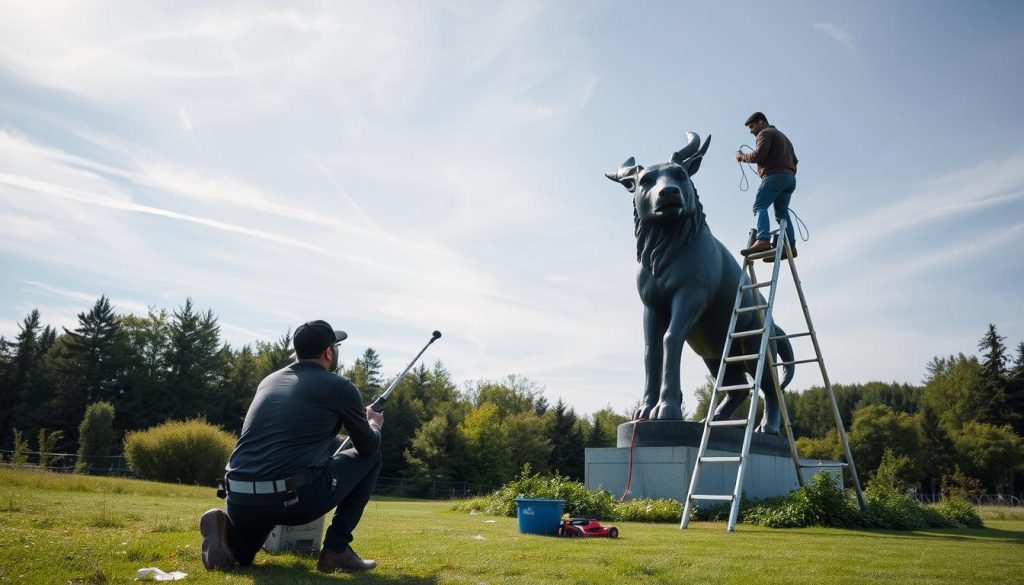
[538, 515]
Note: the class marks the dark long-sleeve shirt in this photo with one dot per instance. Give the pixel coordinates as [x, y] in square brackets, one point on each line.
[294, 420]
[773, 153]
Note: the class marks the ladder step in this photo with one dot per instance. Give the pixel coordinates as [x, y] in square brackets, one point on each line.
[759, 255]
[753, 308]
[790, 336]
[756, 285]
[724, 498]
[738, 422]
[824, 464]
[734, 459]
[749, 333]
[736, 387]
[742, 358]
[793, 363]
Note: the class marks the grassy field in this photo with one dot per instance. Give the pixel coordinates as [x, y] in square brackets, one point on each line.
[86, 530]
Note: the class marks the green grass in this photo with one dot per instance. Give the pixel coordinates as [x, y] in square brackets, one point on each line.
[85, 530]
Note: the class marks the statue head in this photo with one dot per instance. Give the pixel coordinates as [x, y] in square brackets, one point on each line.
[663, 193]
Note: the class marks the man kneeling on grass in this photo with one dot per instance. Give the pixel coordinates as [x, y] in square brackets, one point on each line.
[284, 470]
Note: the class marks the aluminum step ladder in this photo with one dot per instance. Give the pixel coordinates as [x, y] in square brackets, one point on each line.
[763, 357]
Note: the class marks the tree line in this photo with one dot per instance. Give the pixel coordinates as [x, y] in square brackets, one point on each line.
[965, 422]
[174, 365]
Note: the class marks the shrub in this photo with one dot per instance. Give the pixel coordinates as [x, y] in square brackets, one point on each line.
[820, 502]
[959, 513]
[191, 451]
[893, 510]
[47, 443]
[20, 454]
[648, 510]
[96, 436]
[579, 501]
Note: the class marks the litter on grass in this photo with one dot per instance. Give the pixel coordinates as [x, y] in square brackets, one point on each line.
[155, 574]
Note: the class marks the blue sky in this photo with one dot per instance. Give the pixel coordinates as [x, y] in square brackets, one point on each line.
[399, 167]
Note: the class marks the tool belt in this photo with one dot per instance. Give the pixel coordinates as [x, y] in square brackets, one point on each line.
[288, 485]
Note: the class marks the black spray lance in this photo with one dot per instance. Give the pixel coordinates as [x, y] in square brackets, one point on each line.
[378, 404]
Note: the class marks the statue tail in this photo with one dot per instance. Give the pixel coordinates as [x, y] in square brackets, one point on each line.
[785, 350]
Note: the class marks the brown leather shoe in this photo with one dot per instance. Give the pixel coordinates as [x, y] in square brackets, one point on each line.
[785, 256]
[759, 246]
[214, 526]
[347, 561]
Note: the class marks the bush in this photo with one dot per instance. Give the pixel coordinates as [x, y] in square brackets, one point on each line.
[820, 502]
[96, 436]
[191, 451]
[20, 454]
[959, 513]
[648, 510]
[579, 501]
[892, 510]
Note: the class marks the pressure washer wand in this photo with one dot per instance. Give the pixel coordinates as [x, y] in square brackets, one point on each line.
[378, 404]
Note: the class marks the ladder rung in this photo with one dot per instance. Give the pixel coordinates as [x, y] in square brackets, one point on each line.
[795, 362]
[758, 255]
[738, 422]
[756, 285]
[749, 333]
[753, 308]
[724, 498]
[742, 358]
[824, 464]
[733, 459]
[736, 387]
[790, 336]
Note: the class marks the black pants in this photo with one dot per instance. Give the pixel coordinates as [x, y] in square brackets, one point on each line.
[345, 484]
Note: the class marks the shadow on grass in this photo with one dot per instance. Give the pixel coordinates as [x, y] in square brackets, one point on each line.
[952, 534]
[302, 570]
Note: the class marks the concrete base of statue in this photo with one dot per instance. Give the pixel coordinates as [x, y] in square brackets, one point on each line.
[664, 453]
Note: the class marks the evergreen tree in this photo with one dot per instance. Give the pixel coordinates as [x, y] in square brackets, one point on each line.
[992, 381]
[195, 364]
[1014, 403]
[90, 363]
[566, 441]
[605, 429]
[23, 393]
[366, 375]
[937, 455]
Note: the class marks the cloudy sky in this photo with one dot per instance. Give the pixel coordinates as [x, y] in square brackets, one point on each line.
[399, 167]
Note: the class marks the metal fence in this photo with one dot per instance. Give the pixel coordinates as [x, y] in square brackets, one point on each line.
[978, 500]
[117, 466]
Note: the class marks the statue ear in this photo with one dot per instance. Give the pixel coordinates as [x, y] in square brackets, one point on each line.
[692, 165]
[626, 174]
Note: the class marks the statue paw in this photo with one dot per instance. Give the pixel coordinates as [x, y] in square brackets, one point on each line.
[643, 413]
[667, 411]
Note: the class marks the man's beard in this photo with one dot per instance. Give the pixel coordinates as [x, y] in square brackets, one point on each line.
[334, 360]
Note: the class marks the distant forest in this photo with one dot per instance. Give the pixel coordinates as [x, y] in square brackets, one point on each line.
[967, 418]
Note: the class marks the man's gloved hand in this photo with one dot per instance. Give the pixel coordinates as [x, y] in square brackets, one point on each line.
[375, 418]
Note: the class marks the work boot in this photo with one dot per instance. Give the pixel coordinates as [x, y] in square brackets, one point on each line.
[759, 246]
[347, 561]
[785, 256]
[215, 526]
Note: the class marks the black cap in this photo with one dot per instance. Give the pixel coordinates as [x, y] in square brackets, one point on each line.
[313, 337]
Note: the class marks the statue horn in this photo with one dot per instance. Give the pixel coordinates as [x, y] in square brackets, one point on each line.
[692, 144]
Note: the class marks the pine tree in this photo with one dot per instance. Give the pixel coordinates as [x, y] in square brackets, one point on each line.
[566, 441]
[91, 365]
[937, 455]
[147, 346]
[195, 364]
[22, 393]
[1014, 404]
[366, 375]
[992, 380]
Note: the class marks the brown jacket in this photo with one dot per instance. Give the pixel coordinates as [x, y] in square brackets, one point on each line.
[774, 153]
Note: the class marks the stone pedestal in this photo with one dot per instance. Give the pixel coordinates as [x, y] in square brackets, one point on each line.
[664, 453]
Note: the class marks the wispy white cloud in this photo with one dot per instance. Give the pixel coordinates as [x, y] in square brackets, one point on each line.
[840, 35]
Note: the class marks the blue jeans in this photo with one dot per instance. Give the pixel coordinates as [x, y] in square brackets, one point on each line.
[775, 190]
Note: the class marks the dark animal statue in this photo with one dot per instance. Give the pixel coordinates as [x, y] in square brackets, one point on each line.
[687, 281]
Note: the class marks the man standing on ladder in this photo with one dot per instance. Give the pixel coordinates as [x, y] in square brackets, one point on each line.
[776, 165]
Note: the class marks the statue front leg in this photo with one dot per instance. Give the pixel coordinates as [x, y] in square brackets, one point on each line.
[684, 315]
[655, 324]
